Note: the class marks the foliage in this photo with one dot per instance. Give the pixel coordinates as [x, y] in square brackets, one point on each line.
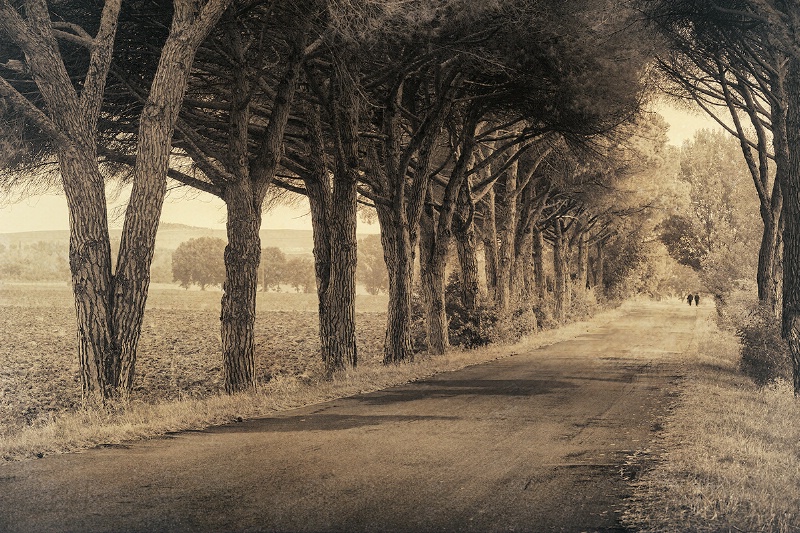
[40, 261]
[472, 328]
[583, 303]
[273, 268]
[765, 355]
[300, 275]
[717, 230]
[468, 328]
[199, 262]
[372, 271]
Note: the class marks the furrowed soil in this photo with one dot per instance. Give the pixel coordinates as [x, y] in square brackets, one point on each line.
[179, 353]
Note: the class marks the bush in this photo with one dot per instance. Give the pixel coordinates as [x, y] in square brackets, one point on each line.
[479, 327]
[765, 355]
[468, 328]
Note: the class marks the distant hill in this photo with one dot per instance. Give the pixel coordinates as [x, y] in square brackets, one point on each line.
[291, 242]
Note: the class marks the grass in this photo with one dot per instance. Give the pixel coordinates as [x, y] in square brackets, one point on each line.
[730, 451]
[172, 358]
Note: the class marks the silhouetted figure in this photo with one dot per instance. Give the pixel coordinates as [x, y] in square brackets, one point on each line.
[696, 299]
[689, 299]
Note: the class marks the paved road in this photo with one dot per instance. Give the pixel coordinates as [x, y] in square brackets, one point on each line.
[533, 442]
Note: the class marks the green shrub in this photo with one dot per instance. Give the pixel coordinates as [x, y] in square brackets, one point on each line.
[765, 355]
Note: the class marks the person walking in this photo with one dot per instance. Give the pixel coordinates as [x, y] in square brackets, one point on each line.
[696, 299]
[689, 299]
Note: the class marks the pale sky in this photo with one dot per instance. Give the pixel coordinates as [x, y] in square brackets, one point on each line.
[49, 212]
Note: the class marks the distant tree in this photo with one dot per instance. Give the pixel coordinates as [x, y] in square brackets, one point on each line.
[273, 269]
[300, 274]
[682, 241]
[372, 271]
[199, 261]
[717, 232]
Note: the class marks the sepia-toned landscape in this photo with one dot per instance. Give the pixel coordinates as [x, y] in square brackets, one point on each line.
[399, 265]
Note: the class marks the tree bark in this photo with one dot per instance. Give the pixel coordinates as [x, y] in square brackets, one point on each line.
[397, 251]
[599, 272]
[490, 252]
[582, 278]
[238, 314]
[791, 216]
[432, 283]
[464, 233]
[507, 231]
[560, 268]
[90, 265]
[538, 264]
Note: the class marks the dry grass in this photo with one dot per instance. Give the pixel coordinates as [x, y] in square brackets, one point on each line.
[169, 408]
[731, 451]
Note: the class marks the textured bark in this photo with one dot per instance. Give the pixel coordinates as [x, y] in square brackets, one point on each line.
[341, 351]
[582, 278]
[507, 232]
[791, 216]
[432, 283]
[538, 264]
[90, 265]
[490, 252]
[560, 268]
[599, 269]
[238, 307]
[522, 279]
[769, 284]
[464, 233]
[396, 241]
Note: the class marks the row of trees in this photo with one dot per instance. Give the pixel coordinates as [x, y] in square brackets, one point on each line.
[200, 262]
[511, 123]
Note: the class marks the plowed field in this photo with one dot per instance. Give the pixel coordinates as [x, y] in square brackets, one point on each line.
[179, 352]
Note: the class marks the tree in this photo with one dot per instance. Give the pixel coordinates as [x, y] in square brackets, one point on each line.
[300, 274]
[274, 268]
[721, 208]
[371, 267]
[109, 307]
[199, 262]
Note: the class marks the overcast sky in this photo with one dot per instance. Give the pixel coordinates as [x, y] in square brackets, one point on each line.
[49, 212]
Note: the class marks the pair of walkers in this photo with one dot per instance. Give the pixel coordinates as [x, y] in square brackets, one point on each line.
[695, 297]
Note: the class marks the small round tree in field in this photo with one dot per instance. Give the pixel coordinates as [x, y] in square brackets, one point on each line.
[273, 268]
[199, 261]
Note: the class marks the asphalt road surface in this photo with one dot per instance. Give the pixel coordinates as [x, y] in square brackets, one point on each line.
[540, 441]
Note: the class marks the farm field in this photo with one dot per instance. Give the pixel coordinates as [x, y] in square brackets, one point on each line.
[178, 352]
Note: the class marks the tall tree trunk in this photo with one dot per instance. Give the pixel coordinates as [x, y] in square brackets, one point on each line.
[582, 278]
[397, 251]
[561, 270]
[490, 253]
[432, 283]
[238, 315]
[538, 264]
[791, 216]
[341, 349]
[464, 233]
[507, 230]
[769, 285]
[90, 265]
[599, 270]
[522, 274]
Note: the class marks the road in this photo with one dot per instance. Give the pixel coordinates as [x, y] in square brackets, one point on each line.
[538, 441]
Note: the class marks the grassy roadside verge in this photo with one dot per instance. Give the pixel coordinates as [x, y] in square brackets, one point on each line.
[730, 458]
[134, 421]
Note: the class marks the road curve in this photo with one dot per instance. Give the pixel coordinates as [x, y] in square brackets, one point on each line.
[533, 442]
